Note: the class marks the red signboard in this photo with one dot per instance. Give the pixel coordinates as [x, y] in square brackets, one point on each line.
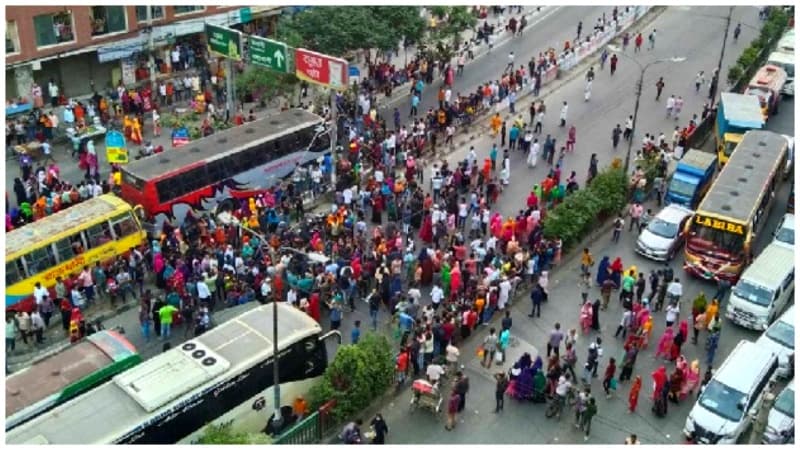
[320, 69]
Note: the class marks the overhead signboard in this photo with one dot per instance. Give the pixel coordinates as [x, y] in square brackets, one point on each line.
[268, 53]
[320, 69]
[223, 41]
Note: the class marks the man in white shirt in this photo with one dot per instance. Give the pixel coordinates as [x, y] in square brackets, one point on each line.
[39, 293]
[266, 288]
[347, 196]
[203, 292]
[437, 294]
[463, 210]
[415, 295]
[434, 372]
[316, 179]
[378, 174]
[291, 296]
[675, 289]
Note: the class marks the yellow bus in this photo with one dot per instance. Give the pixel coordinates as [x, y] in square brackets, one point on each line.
[61, 244]
[720, 235]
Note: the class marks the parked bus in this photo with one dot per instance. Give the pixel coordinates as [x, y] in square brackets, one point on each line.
[67, 374]
[720, 235]
[239, 162]
[61, 244]
[223, 376]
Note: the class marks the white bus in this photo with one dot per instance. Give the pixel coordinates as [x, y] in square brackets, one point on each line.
[221, 376]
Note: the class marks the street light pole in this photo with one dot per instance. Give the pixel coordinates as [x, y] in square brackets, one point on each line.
[277, 418]
[716, 79]
[635, 116]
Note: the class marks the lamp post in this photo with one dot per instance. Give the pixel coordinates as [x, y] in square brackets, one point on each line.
[639, 85]
[277, 418]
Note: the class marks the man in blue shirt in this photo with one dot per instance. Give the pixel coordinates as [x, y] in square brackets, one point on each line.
[406, 321]
[355, 334]
[414, 105]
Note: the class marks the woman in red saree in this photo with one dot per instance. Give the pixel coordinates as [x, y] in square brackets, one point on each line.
[633, 396]
[665, 343]
[659, 380]
[426, 230]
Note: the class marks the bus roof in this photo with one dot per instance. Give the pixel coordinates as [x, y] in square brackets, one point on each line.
[52, 375]
[46, 228]
[742, 110]
[212, 147]
[154, 386]
[738, 188]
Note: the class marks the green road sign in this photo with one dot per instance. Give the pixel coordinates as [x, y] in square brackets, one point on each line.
[224, 41]
[268, 53]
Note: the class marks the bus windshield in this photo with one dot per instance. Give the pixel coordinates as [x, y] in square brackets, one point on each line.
[729, 242]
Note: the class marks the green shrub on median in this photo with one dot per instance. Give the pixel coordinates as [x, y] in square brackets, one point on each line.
[584, 210]
[357, 375]
[752, 57]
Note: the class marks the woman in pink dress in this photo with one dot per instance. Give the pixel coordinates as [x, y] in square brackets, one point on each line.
[691, 377]
[659, 379]
[586, 316]
[665, 343]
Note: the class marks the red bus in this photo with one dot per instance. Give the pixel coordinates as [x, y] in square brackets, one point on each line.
[239, 162]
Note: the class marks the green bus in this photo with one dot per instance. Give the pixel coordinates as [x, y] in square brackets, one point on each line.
[67, 374]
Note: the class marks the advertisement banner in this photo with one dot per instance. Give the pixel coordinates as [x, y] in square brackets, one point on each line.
[180, 136]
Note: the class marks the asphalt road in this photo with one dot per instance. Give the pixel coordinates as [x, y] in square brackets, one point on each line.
[691, 32]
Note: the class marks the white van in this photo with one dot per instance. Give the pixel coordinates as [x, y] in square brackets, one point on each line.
[786, 62]
[779, 339]
[780, 421]
[786, 44]
[763, 289]
[725, 408]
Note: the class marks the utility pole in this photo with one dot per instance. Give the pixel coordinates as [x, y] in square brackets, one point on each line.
[635, 116]
[334, 134]
[151, 61]
[716, 80]
[230, 86]
[760, 423]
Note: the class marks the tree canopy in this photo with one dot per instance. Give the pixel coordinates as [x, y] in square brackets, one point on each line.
[337, 31]
[225, 435]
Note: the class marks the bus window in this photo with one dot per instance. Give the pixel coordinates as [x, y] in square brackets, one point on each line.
[40, 259]
[124, 225]
[65, 248]
[14, 272]
[98, 234]
[77, 241]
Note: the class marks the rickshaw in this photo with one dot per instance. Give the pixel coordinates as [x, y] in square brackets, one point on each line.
[426, 395]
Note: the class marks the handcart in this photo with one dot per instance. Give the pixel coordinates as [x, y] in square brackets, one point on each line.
[426, 395]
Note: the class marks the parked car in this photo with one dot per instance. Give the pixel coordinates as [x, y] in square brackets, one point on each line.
[784, 232]
[779, 339]
[663, 236]
[780, 422]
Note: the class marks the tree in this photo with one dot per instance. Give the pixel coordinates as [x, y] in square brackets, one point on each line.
[224, 435]
[338, 31]
[262, 83]
[443, 41]
[357, 375]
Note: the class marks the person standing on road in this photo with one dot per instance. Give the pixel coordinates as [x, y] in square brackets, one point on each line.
[533, 154]
[678, 107]
[615, 135]
[165, 314]
[489, 348]
[659, 87]
[537, 296]
[586, 417]
[554, 339]
[563, 115]
[637, 43]
[670, 105]
[608, 377]
[699, 80]
[628, 361]
[571, 137]
[628, 134]
[635, 211]
[414, 105]
[652, 39]
[539, 120]
[592, 168]
[619, 223]
[633, 396]
[452, 410]
[580, 28]
[500, 390]
[613, 63]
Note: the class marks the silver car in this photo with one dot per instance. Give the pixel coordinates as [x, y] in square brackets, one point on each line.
[780, 422]
[663, 236]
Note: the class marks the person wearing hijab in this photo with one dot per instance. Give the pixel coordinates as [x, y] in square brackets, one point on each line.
[596, 315]
[633, 396]
[678, 340]
[665, 342]
[659, 380]
[616, 271]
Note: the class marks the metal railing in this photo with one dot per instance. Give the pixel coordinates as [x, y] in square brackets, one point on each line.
[311, 429]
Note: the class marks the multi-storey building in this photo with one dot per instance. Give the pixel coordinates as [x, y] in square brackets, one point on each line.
[87, 48]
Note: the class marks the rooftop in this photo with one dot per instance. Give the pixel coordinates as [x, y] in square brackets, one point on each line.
[221, 143]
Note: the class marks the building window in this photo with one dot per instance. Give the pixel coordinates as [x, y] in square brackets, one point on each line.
[52, 29]
[107, 19]
[12, 37]
[187, 9]
[156, 11]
